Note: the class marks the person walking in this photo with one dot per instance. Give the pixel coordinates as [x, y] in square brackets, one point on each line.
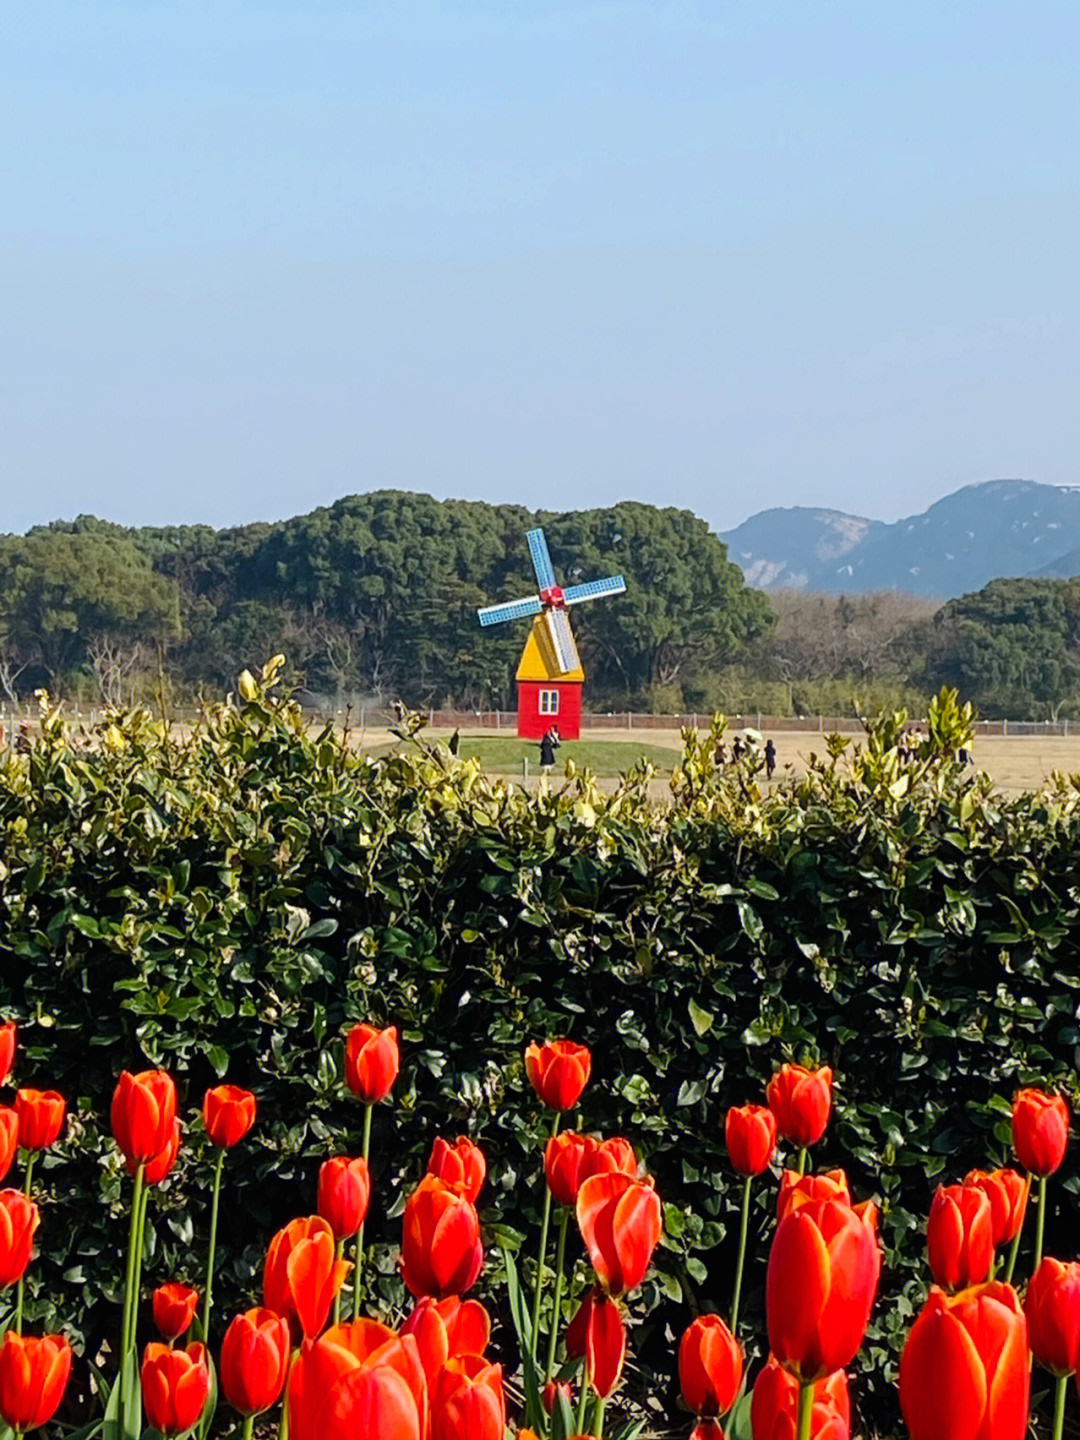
[770, 758]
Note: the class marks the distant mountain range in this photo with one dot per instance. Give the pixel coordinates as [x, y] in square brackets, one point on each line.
[977, 534]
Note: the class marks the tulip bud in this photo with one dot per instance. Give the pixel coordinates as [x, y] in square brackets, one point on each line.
[441, 1252]
[7, 1048]
[960, 1236]
[33, 1377]
[750, 1135]
[801, 1101]
[797, 1190]
[142, 1115]
[621, 1222]
[228, 1114]
[9, 1138]
[468, 1402]
[774, 1406]
[301, 1275]
[255, 1360]
[1007, 1191]
[175, 1387]
[1052, 1311]
[358, 1380]
[447, 1329]
[344, 1194]
[159, 1166]
[19, 1219]
[553, 1390]
[710, 1366]
[41, 1118]
[597, 1335]
[461, 1166]
[372, 1061]
[558, 1071]
[1040, 1128]
[174, 1309]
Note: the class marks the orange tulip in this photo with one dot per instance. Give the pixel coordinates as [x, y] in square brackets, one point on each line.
[571, 1157]
[774, 1406]
[301, 1275]
[801, 1101]
[255, 1360]
[9, 1138]
[710, 1366]
[1040, 1128]
[964, 1368]
[1052, 1311]
[159, 1166]
[468, 1402]
[820, 1287]
[1007, 1191]
[358, 1380]
[750, 1136]
[620, 1220]
[447, 1329]
[796, 1190]
[41, 1118]
[344, 1194]
[558, 1071]
[960, 1236]
[228, 1115]
[19, 1219]
[174, 1309]
[461, 1166]
[441, 1252]
[142, 1115]
[597, 1335]
[372, 1061]
[8, 1035]
[33, 1377]
[175, 1387]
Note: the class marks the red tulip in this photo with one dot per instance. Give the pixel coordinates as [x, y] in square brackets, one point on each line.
[9, 1138]
[558, 1071]
[551, 1394]
[344, 1194]
[820, 1287]
[1007, 1191]
[372, 1061]
[597, 1335]
[174, 1309]
[964, 1368]
[142, 1115]
[1052, 1311]
[228, 1114]
[159, 1166]
[620, 1222]
[468, 1402]
[255, 1360]
[564, 1161]
[774, 1406]
[447, 1329]
[750, 1135]
[358, 1380]
[960, 1236]
[33, 1376]
[801, 1100]
[7, 1048]
[797, 1190]
[1040, 1128]
[19, 1219]
[175, 1387]
[441, 1252]
[710, 1366]
[301, 1275]
[41, 1118]
[461, 1166]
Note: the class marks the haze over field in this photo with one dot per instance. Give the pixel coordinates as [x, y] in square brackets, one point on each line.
[259, 256]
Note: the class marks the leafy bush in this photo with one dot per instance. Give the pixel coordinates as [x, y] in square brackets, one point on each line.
[222, 902]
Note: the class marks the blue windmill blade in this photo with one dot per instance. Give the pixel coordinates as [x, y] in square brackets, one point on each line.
[593, 589]
[509, 610]
[562, 641]
[545, 573]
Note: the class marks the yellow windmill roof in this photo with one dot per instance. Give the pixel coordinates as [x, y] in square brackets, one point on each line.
[538, 658]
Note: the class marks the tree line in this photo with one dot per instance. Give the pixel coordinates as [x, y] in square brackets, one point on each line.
[375, 597]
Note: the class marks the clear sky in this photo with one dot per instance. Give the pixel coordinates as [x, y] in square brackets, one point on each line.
[726, 254]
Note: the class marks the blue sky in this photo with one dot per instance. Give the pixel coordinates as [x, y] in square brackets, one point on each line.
[726, 255]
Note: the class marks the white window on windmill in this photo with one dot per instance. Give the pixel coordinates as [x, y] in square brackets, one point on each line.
[549, 702]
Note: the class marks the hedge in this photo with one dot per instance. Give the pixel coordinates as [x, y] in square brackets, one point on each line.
[225, 901]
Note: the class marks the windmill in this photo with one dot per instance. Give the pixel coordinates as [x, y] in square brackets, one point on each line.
[550, 676]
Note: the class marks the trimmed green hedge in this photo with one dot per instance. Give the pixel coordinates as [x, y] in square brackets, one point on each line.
[225, 902]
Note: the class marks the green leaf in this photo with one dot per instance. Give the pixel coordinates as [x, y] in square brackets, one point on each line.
[701, 1020]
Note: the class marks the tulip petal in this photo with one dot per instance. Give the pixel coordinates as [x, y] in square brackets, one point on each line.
[797, 1290]
[943, 1390]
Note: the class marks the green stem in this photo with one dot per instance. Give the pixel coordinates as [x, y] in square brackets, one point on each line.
[249, 1427]
[1015, 1247]
[583, 1399]
[1040, 1221]
[560, 1261]
[545, 1225]
[806, 1410]
[801, 1167]
[744, 1226]
[366, 1150]
[139, 1252]
[1059, 1407]
[598, 1416]
[31, 1157]
[129, 1279]
[213, 1245]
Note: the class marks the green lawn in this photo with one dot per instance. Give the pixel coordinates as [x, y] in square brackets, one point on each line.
[503, 755]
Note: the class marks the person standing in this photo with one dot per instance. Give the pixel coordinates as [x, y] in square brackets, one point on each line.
[770, 758]
[548, 745]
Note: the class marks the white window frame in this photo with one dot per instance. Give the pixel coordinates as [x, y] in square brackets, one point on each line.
[549, 702]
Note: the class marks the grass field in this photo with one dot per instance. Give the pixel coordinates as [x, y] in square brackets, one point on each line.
[504, 755]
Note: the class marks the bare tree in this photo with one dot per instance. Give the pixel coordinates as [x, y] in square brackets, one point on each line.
[113, 659]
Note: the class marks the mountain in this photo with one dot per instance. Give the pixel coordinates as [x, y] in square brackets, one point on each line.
[977, 534]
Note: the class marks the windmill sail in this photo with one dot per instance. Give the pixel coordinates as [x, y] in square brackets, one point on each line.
[510, 610]
[562, 641]
[593, 589]
[545, 571]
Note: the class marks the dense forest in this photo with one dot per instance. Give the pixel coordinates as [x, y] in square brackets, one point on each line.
[374, 598]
